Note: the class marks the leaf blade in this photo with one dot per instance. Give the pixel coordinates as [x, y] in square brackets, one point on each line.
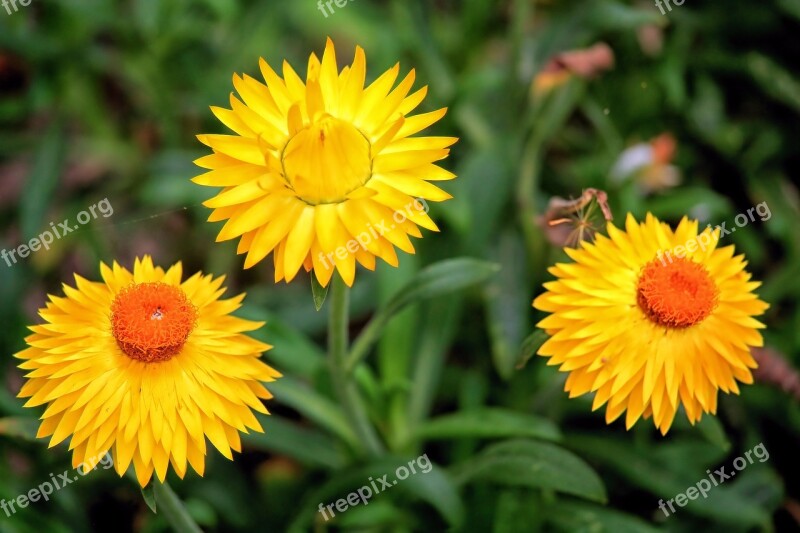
[489, 423]
[534, 464]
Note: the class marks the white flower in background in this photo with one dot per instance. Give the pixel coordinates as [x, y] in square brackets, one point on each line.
[648, 165]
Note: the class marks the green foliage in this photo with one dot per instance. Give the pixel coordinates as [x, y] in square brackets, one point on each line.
[533, 464]
[103, 99]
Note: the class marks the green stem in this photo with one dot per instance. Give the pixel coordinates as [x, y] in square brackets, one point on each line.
[526, 194]
[365, 341]
[168, 503]
[345, 386]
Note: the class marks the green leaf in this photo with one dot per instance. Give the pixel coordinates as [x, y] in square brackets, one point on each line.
[284, 437]
[760, 486]
[669, 470]
[431, 354]
[585, 517]
[314, 406]
[19, 427]
[171, 185]
[318, 292]
[530, 346]
[508, 303]
[554, 109]
[775, 80]
[527, 463]
[438, 489]
[395, 353]
[434, 486]
[489, 423]
[711, 428]
[378, 516]
[707, 117]
[439, 279]
[483, 205]
[616, 16]
[149, 495]
[293, 353]
[442, 278]
[42, 181]
[519, 510]
[790, 7]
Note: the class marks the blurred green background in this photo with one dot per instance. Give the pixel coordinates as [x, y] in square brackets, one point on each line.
[103, 99]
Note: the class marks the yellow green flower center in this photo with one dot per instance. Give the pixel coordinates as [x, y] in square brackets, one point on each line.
[677, 294]
[326, 161]
[152, 321]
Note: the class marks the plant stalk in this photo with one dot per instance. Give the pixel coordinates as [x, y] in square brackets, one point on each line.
[168, 503]
[343, 381]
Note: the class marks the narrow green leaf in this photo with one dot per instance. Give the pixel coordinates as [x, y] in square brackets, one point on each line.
[149, 495]
[314, 406]
[377, 516]
[763, 487]
[508, 304]
[293, 353]
[668, 473]
[318, 292]
[438, 489]
[555, 109]
[431, 354]
[442, 278]
[618, 16]
[439, 279]
[775, 80]
[307, 445]
[530, 346]
[395, 352]
[434, 486]
[489, 423]
[582, 516]
[42, 181]
[485, 205]
[527, 463]
[790, 7]
[711, 428]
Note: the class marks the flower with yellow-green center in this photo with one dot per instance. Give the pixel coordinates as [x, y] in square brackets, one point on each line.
[146, 366]
[647, 326]
[318, 170]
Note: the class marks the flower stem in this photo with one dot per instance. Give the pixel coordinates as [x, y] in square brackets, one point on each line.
[174, 510]
[345, 386]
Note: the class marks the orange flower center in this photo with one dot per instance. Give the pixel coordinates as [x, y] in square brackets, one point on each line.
[151, 321]
[326, 161]
[677, 294]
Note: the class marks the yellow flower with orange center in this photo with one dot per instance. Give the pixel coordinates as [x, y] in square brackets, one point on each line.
[650, 319]
[324, 173]
[148, 366]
